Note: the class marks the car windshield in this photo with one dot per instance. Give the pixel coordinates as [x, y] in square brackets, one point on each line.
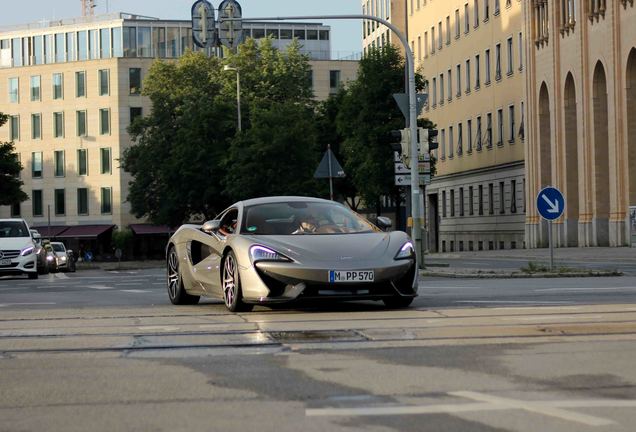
[298, 218]
[58, 247]
[13, 229]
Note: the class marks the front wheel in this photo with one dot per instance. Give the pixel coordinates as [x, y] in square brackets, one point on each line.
[232, 293]
[176, 290]
[398, 302]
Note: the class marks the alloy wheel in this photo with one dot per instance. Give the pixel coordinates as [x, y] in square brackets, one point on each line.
[229, 281]
[173, 274]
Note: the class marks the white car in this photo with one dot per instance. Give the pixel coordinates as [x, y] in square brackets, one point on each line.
[63, 257]
[17, 249]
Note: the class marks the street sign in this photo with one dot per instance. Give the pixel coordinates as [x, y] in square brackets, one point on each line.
[203, 25]
[424, 167]
[550, 203]
[230, 23]
[400, 168]
[405, 179]
[402, 100]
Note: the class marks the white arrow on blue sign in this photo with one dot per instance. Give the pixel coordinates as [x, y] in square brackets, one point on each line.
[550, 203]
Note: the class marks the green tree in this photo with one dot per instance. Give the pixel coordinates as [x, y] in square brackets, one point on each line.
[175, 161]
[10, 167]
[368, 112]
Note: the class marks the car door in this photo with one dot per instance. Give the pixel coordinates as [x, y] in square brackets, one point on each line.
[208, 252]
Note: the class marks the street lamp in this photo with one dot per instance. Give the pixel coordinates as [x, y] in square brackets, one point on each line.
[238, 92]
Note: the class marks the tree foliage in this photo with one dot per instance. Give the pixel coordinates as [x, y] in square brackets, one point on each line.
[10, 167]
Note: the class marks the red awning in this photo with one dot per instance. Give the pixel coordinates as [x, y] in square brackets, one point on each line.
[55, 230]
[147, 229]
[85, 231]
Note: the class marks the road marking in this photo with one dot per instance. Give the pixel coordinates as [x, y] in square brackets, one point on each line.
[135, 291]
[535, 302]
[60, 276]
[547, 408]
[587, 289]
[484, 402]
[26, 304]
[158, 328]
[99, 287]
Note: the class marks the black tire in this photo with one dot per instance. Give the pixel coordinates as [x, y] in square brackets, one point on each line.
[397, 302]
[176, 290]
[33, 275]
[231, 285]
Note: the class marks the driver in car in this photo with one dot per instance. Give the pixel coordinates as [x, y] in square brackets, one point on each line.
[308, 224]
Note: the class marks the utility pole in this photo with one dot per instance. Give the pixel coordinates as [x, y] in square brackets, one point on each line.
[88, 8]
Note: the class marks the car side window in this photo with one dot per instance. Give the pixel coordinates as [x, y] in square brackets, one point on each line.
[229, 222]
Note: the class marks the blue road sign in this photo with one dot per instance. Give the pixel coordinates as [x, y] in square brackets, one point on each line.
[550, 203]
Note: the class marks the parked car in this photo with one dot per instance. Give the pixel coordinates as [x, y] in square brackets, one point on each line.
[41, 252]
[17, 249]
[63, 257]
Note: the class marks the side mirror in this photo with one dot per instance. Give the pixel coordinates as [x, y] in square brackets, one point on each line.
[383, 222]
[211, 226]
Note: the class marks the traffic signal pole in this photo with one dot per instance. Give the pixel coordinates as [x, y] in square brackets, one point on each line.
[416, 196]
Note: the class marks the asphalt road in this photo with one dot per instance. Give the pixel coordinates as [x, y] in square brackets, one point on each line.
[106, 351]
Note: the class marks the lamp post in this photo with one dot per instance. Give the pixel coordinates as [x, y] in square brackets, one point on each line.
[238, 92]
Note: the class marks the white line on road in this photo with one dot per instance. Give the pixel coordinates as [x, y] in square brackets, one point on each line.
[158, 328]
[535, 302]
[586, 289]
[134, 291]
[26, 304]
[60, 276]
[99, 287]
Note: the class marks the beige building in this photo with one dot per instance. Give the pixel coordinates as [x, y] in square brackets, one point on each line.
[582, 119]
[472, 54]
[376, 35]
[72, 88]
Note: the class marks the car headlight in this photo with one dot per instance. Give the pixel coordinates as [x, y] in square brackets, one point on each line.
[63, 258]
[407, 251]
[27, 251]
[262, 253]
[49, 258]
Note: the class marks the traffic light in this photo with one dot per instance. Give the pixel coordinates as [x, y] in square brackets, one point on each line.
[426, 140]
[432, 139]
[399, 140]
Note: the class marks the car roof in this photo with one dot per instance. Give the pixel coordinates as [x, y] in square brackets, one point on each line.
[279, 199]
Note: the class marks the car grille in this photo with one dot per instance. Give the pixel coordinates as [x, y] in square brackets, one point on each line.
[383, 289]
[10, 254]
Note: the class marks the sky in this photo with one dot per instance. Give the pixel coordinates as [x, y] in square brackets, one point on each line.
[346, 36]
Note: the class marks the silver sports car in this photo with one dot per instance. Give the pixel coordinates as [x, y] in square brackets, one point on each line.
[281, 249]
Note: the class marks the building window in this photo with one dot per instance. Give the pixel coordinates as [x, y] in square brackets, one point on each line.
[451, 142]
[81, 123]
[104, 121]
[449, 75]
[459, 80]
[82, 162]
[469, 136]
[82, 45]
[60, 202]
[432, 40]
[334, 80]
[511, 123]
[513, 196]
[104, 82]
[36, 126]
[439, 35]
[130, 41]
[448, 30]
[59, 163]
[476, 13]
[522, 132]
[14, 128]
[80, 84]
[36, 165]
[502, 198]
[520, 51]
[107, 201]
[16, 210]
[135, 112]
[487, 64]
[452, 202]
[419, 48]
[58, 125]
[479, 143]
[36, 94]
[105, 159]
[468, 76]
[93, 37]
[491, 198]
[486, 10]
[460, 137]
[14, 90]
[104, 43]
[134, 77]
[461, 201]
[457, 24]
[82, 201]
[441, 88]
[144, 42]
[443, 144]
[568, 17]
[434, 92]
[36, 203]
[471, 207]
[425, 44]
[480, 201]
[489, 130]
[58, 86]
[497, 9]
[443, 204]
[500, 128]
[541, 27]
[510, 57]
[466, 19]
[477, 73]
[498, 62]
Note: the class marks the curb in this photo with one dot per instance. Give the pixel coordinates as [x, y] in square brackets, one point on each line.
[517, 275]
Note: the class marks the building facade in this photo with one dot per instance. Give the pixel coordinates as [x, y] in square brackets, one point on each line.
[581, 91]
[472, 55]
[376, 35]
[72, 88]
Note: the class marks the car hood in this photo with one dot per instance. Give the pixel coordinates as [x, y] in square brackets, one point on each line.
[15, 243]
[324, 248]
[60, 254]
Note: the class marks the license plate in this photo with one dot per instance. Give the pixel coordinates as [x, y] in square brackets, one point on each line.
[338, 276]
[5, 262]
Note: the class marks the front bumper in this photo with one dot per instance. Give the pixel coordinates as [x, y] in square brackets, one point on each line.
[279, 282]
[20, 265]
